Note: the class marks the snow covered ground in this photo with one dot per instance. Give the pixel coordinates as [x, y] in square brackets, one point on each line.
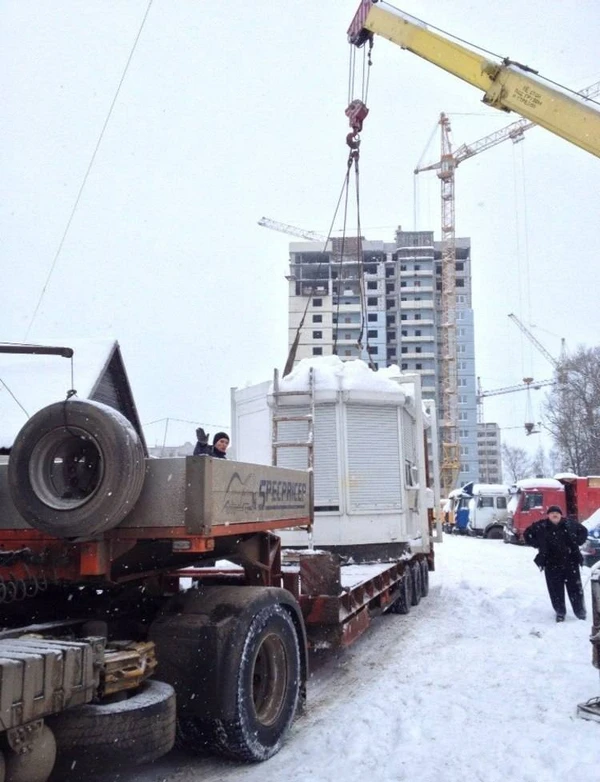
[478, 682]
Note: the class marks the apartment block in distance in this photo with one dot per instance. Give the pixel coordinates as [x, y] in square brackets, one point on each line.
[489, 447]
[391, 295]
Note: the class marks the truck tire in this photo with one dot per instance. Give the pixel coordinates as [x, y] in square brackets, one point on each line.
[494, 533]
[267, 677]
[76, 469]
[136, 730]
[424, 565]
[404, 601]
[417, 584]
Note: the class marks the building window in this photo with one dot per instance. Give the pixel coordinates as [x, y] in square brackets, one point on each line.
[317, 302]
[317, 351]
[417, 267]
[372, 316]
[460, 267]
[417, 332]
[372, 333]
[403, 316]
[403, 284]
[404, 366]
[462, 381]
[372, 301]
[348, 319]
[418, 366]
[372, 286]
[373, 349]
[389, 272]
[317, 319]
[317, 335]
[347, 352]
[460, 283]
[347, 336]
[417, 283]
[417, 316]
[463, 415]
[417, 349]
[402, 267]
[390, 320]
[390, 287]
[464, 468]
[404, 350]
[391, 336]
[392, 352]
[404, 332]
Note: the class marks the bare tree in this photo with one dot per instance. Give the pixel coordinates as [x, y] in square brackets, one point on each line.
[572, 412]
[539, 464]
[516, 462]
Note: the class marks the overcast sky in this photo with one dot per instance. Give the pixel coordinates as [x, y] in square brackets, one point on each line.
[232, 110]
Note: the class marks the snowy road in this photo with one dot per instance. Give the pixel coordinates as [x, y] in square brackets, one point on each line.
[477, 683]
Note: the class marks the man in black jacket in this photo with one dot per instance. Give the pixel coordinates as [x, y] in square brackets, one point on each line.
[217, 449]
[558, 540]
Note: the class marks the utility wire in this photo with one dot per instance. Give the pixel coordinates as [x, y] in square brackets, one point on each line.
[87, 173]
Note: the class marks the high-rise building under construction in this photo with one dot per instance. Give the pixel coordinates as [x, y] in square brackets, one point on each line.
[384, 306]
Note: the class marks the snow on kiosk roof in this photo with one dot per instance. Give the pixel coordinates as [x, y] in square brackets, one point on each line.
[30, 382]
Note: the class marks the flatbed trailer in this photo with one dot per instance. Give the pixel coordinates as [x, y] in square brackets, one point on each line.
[163, 619]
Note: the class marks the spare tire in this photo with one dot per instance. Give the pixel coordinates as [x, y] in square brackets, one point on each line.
[76, 469]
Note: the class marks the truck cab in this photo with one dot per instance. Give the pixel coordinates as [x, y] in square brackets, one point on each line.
[488, 508]
[529, 499]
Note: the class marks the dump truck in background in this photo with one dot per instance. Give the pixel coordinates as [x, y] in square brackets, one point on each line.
[577, 497]
[136, 593]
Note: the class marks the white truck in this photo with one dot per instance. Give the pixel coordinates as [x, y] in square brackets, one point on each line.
[488, 508]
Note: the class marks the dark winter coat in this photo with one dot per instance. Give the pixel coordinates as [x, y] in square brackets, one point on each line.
[557, 544]
[204, 449]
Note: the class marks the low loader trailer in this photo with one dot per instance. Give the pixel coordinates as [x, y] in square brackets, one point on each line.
[147, 599]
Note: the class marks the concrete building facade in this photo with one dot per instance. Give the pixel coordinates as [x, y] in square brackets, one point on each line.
[391, 295]
[489, 447]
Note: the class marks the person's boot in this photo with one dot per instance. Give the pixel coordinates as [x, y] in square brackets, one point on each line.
[581, 614]
[560, 617]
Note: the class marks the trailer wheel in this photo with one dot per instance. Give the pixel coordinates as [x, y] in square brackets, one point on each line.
[403, 603]
[136, 730]
[76, 468]
[417, 584]
[424, 565]
[267, 676]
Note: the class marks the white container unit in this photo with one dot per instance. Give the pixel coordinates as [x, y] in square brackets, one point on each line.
[369, 452]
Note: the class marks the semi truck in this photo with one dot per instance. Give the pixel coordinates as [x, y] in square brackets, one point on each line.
[578, 498]
[138, 594]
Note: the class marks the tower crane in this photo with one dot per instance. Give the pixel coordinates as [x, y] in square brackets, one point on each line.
[507, 85]
[527, 384]
[445, 167]
[284, 228]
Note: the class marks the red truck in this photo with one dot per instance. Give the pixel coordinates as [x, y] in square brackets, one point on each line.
[578, 498]
[137, 593]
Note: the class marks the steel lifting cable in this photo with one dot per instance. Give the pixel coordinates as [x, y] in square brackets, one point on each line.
[356, 113]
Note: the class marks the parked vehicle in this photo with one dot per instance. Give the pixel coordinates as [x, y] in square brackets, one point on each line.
[577, 497]
[104, 645]
[488, 508]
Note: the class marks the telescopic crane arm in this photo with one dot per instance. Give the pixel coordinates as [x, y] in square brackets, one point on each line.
[506, 85]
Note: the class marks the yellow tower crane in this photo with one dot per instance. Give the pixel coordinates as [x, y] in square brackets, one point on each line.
[506, 85]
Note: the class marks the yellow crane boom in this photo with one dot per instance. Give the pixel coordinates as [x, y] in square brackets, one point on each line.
[506, 85]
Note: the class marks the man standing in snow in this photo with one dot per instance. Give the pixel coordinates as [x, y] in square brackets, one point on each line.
[558, 540]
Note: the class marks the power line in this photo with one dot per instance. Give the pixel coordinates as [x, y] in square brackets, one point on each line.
[87, 173]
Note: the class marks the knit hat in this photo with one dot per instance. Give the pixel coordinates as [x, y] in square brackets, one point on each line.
[220, 436]
[554, 509]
